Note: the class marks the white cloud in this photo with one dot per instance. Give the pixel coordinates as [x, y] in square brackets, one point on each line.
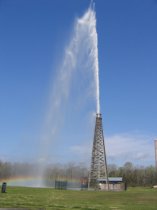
[130, 147]
[121, 148]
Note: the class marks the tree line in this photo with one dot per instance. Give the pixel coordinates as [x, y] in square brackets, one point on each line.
[9, 170]
[132, 175]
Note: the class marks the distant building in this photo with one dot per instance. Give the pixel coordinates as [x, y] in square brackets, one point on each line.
[114, 184]
[84, 182]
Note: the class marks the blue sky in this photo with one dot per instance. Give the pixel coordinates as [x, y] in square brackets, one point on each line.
[33, 36]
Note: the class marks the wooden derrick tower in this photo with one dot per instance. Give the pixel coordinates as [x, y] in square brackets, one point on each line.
[98, 161]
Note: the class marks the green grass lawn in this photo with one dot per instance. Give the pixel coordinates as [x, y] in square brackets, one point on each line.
[47, 198]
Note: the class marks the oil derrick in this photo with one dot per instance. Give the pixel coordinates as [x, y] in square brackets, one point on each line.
[155, 144]
[98, 162]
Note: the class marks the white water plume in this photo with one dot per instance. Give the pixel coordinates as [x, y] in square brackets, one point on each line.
[88, 22]
[74, 96]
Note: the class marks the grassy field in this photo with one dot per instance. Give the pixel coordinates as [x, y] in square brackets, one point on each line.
[47, 198]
